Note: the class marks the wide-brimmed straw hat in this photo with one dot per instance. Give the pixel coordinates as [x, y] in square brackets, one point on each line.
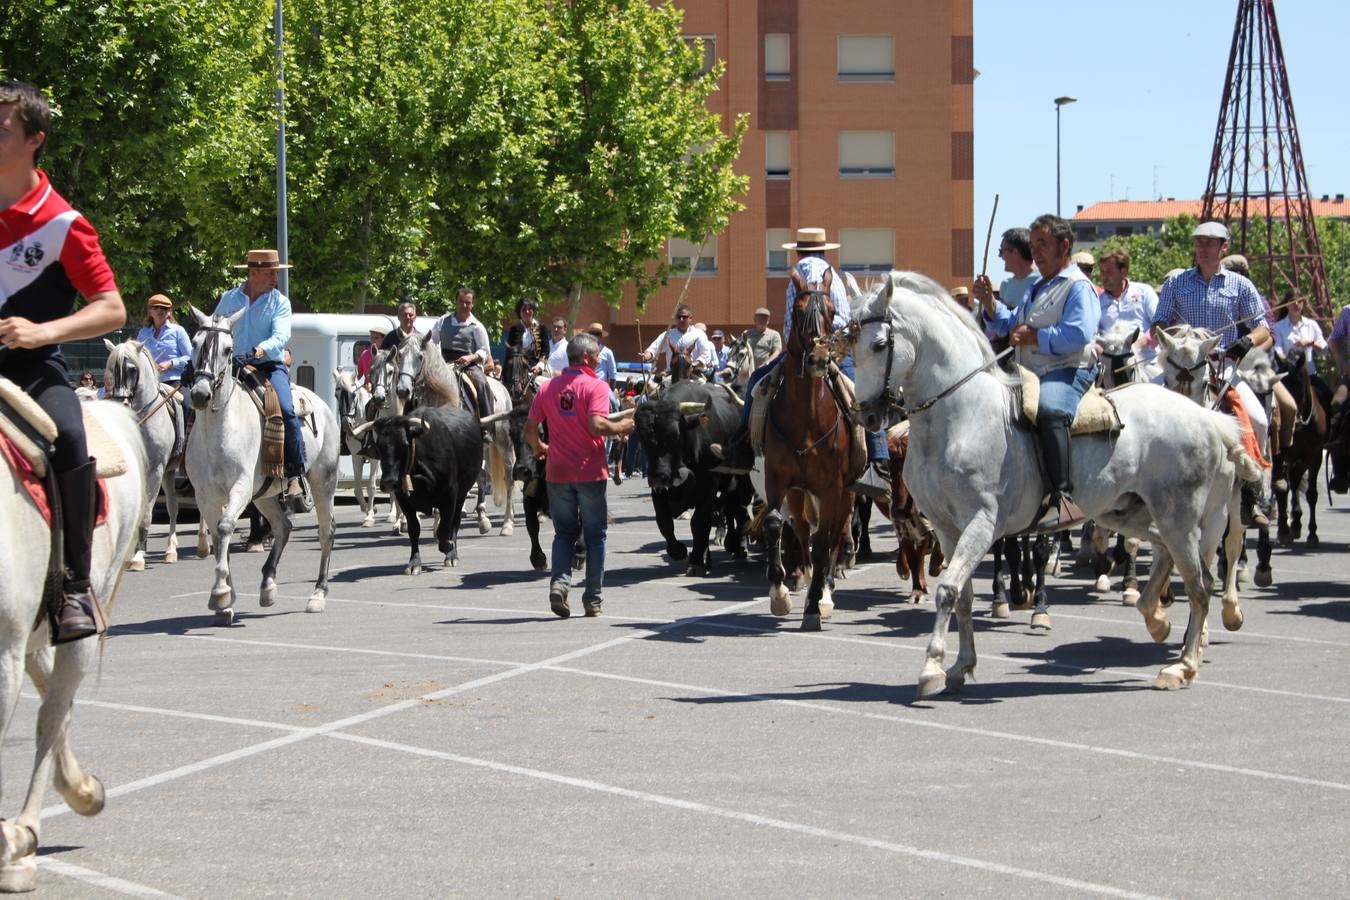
[596, 329]
[160, 301]
[263, 259]
[809, 240]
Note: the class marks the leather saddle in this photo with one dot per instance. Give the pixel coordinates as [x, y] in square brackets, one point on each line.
[31, 431]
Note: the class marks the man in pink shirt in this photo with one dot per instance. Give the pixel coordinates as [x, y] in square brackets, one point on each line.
[574, 408]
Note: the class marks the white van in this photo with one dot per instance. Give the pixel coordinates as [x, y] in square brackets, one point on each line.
[322, 342]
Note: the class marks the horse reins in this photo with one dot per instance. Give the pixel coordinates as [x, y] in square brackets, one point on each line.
[888, 396]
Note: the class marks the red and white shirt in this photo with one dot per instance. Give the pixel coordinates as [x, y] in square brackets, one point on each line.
[49, 253]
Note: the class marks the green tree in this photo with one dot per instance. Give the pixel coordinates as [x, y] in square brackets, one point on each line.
[574, 140]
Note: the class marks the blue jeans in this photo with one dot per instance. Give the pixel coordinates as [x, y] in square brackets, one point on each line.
[280, 376]
[579, 507]
[876, 440]
[1061, 391]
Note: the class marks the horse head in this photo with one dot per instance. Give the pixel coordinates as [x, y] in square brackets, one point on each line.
[740, 360]
[133, 374]
[212, 357]
[1185, 359]
[812, 318]
[1120, 362]
[1259, 372]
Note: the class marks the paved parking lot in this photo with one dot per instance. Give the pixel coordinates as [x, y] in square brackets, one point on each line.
[446, 735]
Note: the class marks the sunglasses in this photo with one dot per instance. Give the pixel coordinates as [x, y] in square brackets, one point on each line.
[684, 317]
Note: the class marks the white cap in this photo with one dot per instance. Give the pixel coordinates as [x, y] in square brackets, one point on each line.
[1211, 230]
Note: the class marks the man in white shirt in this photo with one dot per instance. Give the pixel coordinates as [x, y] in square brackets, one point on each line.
[1125, 302]
[683, 339]
[557, 353]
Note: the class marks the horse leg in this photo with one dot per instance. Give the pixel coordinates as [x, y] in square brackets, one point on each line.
[222, 591]
[1263, 576]
[532, 506]
[1024, 575]
[372, 469]
[1232, 545]
[801, 529]
[780, 598]
[1155, 617]
[1283, 497]
[968, 548]
[270, 509]
[964, 667]
[822, 547]
[51, 675]
[1041, 549]
[484, 523]
[1129, 595]
[323, 494]
[137, 561]
[1189, 565]
[1094, 551]
[1002, 583]
[1312, 506]
[171, 507]
[18, 840]
[837, 546]
[203, 543]
[509, 507]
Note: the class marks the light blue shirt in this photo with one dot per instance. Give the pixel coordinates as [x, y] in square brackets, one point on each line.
[812, 269]
[266, 325]
[172, 344]
[606, 369]
[1077, 324]
[1013, 290]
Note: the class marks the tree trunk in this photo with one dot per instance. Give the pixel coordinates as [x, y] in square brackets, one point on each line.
[573, 307]
[363, 286]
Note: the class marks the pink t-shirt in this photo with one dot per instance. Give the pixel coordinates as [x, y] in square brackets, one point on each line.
[566, 405]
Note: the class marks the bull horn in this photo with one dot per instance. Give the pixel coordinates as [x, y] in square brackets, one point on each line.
[622, 414]
[493, 419]
[360, 430]
[689, 407]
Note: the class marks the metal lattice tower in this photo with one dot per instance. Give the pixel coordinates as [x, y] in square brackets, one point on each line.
[1257, 185]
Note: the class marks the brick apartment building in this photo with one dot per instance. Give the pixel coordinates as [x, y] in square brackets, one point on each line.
[861, 122]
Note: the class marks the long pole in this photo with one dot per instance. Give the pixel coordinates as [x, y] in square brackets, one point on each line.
[1058, 107]
[283, 239]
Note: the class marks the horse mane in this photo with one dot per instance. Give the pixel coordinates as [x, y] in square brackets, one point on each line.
[440, 386]
[346, 381]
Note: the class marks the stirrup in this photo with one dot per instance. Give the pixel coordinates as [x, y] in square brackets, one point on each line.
[1058, 513]
[871, 485]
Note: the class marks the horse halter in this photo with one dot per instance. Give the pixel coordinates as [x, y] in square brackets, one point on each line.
[209, 351]
[888, 398]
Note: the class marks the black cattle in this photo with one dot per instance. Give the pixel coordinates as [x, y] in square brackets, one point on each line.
[440, 449]
[677, 431]
[529, 471]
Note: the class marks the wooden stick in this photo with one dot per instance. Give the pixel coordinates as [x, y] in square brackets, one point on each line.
[984, 269]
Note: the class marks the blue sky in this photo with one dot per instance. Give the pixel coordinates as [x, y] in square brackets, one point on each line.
[1148, 76]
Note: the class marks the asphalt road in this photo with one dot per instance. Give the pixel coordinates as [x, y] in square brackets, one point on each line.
[446, 735]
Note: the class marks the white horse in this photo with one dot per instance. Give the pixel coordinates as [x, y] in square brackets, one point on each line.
[135, 384]
[224, 461]
[425, 378]
[57, 671]
[1169, 476]
[353, 400]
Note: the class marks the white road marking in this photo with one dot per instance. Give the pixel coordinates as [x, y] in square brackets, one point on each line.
[98, 879]
[755, 819]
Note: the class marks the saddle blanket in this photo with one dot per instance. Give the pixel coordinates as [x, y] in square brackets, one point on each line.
[1096, 413]
[110, 460]
[37, 488]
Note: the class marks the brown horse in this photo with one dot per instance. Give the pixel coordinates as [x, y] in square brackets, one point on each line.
[808, 446]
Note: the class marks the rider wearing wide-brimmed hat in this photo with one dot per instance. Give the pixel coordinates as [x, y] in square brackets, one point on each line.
[260, 338]
[811, 265]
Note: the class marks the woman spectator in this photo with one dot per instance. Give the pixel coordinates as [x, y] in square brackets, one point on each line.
[165, 339]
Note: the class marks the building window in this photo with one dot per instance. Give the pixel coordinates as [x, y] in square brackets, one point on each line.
[777, 257]
[776, 163]
[867, 250]
[682, 251]
[304, 376]
[777, 57]
[709, 44]
[866, 57]
[1124, 231]
[867, 154]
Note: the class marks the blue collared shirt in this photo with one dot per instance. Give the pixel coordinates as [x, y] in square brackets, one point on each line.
[812, 269]
[1077, 324]
[172, 344]
[1215, 304]
[266, 325]
[606, 369]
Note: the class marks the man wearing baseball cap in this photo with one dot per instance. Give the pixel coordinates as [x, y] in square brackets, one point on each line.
[1209, 296]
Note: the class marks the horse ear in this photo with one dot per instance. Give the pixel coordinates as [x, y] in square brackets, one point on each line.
[1165, 340]
[1207, 346]
[1134, 336]
[202, 318]
[236, 317]
[109, 344]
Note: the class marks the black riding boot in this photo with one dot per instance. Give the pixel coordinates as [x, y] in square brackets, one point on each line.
[79, 507]
[1061, 511]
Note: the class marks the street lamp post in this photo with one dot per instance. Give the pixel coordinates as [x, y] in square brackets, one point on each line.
[1059, 102]
[283, 238]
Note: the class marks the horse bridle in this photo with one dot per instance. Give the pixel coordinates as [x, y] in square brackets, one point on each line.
[209, 350]
[121, 389]
[888, 397]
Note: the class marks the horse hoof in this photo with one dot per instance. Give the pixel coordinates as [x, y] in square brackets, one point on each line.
[956, 678]
[1283, 537]
[88, 799]
[826, 607]
[224, 618]
[484, 526]
[1129, 598]
[507, 530]
[450, 562]
[780, 600]
[932, 681]
[1312, 540]
[19, 876]
[316, 603]
[171, 556]
[1159, 629]
[810, 622]
[1263, 577]
[1232, 617]
[1056, 570]
[1296, 532]
[136, 565]
[677, 552]
[220, 599]
[1000, 611]
[1103, 584]
[1024, 603]
[1040, 620]
[412, 570]
[1242, 575]
[268, 596]
[1173, 678]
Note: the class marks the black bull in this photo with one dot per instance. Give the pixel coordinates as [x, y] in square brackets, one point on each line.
[438, 453]
[678, 440]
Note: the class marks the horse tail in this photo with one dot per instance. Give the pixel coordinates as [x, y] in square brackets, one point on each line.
[497, 472]
[1231, 433]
